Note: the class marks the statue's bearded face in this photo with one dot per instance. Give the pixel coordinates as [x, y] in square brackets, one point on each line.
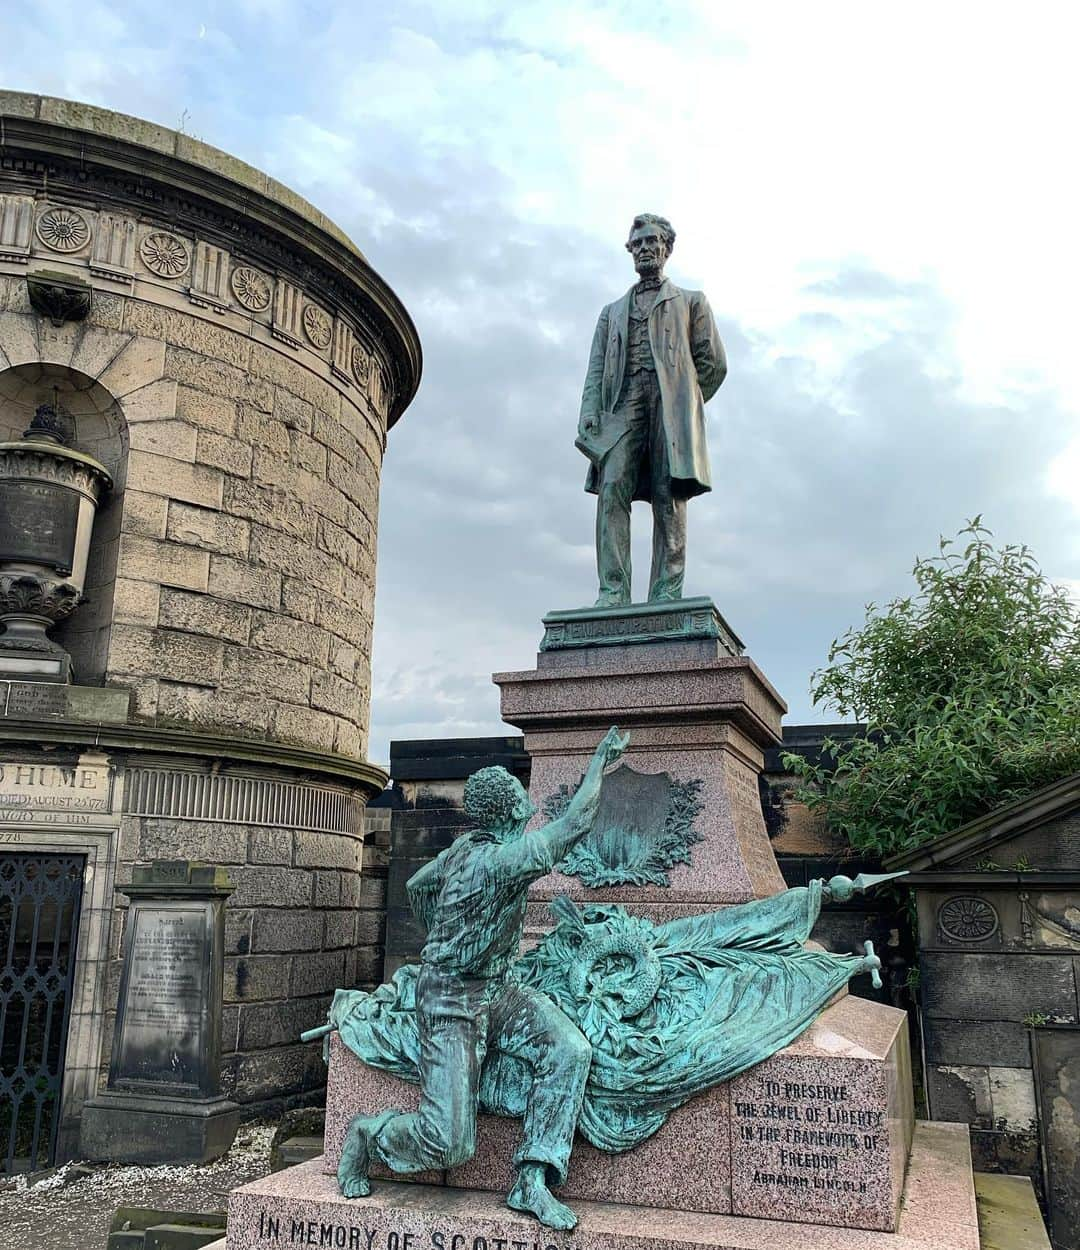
[524, 808]
[646, 245]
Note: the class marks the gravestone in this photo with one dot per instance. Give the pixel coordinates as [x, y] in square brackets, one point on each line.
[163, 1102]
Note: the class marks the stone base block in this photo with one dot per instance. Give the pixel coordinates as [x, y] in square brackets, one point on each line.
[819, 1132]
[139, 1128]
[695, 713]
[302, 1207]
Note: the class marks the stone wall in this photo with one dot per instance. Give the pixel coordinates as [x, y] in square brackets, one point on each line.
[244, 548]
[236, 363]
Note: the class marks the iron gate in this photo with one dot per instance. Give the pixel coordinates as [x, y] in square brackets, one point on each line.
[39, 912]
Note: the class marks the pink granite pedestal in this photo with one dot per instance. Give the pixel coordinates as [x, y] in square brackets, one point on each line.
[302, 1207]
[819, 1132]
[693, 713]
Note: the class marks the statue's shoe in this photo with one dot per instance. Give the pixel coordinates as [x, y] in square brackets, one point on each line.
[612, 601]
[356, 1153]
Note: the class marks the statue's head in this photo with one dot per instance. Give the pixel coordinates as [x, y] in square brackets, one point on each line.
[497, 802]
[651, 241]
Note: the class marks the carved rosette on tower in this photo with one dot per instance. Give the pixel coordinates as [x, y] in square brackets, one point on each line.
[48, 497]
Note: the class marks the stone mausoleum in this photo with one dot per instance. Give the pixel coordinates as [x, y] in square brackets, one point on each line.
[197, 375]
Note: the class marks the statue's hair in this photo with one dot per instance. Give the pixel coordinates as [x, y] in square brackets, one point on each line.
[490, 795]
[667, 230]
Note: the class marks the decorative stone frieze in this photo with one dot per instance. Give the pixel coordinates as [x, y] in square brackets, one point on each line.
[63, 229]
[165, 255]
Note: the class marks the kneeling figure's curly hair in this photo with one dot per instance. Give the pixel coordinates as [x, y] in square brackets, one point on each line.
[490, 795]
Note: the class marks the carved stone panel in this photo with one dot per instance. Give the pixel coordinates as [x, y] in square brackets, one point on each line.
[165, 255]
[210, 277]
[288, 311]
[251, 288]
[644, 827]
[113, 254]
[16, 225]
[63, 229]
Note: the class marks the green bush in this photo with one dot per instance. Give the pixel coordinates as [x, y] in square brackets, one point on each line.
[970, 691]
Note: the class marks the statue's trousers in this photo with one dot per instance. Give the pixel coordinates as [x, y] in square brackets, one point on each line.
[459, 1019]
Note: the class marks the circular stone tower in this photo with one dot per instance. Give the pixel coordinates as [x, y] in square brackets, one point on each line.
[232, 363]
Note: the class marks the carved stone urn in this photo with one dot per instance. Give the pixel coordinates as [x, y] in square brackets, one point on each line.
[48, 497]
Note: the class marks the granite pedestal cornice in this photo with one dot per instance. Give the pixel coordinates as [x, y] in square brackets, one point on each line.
[650, 688]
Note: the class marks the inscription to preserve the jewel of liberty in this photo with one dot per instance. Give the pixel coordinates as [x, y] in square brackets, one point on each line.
[808, 1136]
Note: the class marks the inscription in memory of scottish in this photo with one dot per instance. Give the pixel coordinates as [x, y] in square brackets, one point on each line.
[336, 1235]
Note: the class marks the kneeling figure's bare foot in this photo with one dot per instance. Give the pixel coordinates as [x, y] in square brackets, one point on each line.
[531, 1195]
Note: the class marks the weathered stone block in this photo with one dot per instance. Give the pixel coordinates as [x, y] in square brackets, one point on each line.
[222, 452]
[272, 886]
[153, 403]
[234, 579]
[216, 378]
[348, 738]
[291, 412]
[328, 850]
[272, 506]
[272, 1073]
[343, 619]
[317, 974]
[208, 412]
[164, 475]
[183, 330]
[286, 931]
[212, 708]
[302, 725]
[270, 364]
[289, 555]
[340, 929]
[343, 658]
[300, 641]
[253, 978]
[145, 514]
[208, 841]
[135, 603]
[970, 1042]
[308, 453]
[958, 986]
[279, 1024]
[139, 362]
[247, 669]
[208, 529]
[153, 560]
[203, 614]
[270, 846]
[175, 439]
[327, 889]
[183, 657]
[237, 931]
[333, 694]
[958, 1092]
[1012, 1096]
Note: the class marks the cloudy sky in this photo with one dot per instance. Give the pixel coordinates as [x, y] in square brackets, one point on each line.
[880, 202]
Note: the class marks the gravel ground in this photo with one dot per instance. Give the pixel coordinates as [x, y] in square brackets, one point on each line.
[59, 1213]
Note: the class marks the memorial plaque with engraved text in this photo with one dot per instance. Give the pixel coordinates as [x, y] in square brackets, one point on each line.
[37, 523]
[812, 1147]
[163, 996]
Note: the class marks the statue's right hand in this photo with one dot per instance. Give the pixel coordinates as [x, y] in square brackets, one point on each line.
[588, 425]
[613, 745]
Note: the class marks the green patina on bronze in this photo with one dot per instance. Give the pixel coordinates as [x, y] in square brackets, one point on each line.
[605, 1028]
[644, 827]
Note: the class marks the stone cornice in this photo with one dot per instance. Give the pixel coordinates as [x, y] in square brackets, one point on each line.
[92, 156]
[148, 739]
